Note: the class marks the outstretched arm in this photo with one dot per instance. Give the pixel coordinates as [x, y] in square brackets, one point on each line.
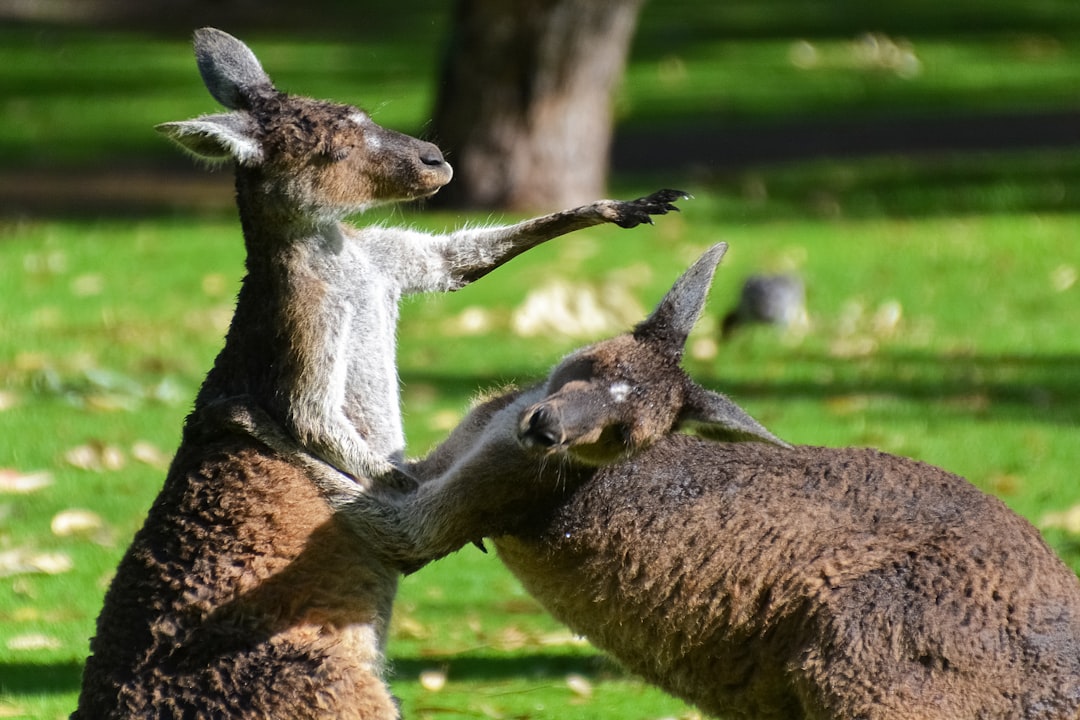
[471, 254]
[449, 262]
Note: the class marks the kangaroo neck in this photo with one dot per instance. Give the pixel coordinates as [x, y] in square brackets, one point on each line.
[255, 359]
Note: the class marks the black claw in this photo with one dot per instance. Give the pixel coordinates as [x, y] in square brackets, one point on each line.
[640, 211]
[668, 195]
[480, 544]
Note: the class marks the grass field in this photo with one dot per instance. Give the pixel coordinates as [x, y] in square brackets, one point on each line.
[943, 294]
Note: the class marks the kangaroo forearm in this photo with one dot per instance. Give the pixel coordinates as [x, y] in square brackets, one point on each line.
[475, 252]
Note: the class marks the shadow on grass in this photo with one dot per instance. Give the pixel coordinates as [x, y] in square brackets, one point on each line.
[65, 677]
[504, 667]
[40, 678]
[1006, 386]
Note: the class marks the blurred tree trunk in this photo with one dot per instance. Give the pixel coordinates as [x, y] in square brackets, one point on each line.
[524, 105]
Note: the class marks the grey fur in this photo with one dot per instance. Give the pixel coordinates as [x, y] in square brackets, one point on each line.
[229, 69]
[220, 607]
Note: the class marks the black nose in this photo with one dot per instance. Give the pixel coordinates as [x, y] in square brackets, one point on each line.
[539, 429]
[431, 156]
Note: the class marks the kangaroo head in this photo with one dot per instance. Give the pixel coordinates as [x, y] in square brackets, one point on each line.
[318, 159]
[617, 396]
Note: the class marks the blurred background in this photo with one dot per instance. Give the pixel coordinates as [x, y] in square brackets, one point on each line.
[958, 93]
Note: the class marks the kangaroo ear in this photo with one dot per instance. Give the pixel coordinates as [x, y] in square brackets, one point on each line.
[673, 319]
[230, 70]
[714, 416]
[217, 137]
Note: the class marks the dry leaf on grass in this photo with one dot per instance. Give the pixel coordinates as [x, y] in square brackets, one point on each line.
[433, 680]
[579, 685]
[563, 638]
[149, 454]
[8, 400]
[409, 628]
[34, 641]
[22, 561]
[20, 483]
[576, 310]
[75, 521]
[95, 456]
[1067, 520]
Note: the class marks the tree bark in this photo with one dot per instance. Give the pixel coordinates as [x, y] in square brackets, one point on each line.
[524, 106]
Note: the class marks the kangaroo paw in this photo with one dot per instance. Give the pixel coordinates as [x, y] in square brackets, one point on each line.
[635, 212]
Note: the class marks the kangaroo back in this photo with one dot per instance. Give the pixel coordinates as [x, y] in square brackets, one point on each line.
[761, 581]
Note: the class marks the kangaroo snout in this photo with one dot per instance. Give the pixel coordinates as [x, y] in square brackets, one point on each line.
[433, 170]
[432, 156]
[585, 432]
[540, 428]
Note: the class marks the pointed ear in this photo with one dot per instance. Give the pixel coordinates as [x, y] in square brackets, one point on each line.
[217, 137]
[230, 70]
[714, 416]
[670, 324]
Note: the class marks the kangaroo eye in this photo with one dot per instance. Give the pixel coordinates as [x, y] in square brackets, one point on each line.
[577, 369]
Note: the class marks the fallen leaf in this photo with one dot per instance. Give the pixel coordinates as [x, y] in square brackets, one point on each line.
[704, 348]
[95, 456]
[579, 685]
[22, 562]
[433, 680]
[471, 321]
[510, 639]
[1063, 278]
[15, 482]
[887, 318]
[149, 454]
[75, 522]
[409, 628]
[1067, 520]
[34, 641]
[576, 310]
[563, 638]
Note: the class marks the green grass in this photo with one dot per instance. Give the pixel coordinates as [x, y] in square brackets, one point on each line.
[107, 326]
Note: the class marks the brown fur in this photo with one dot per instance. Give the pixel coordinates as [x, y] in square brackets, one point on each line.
[764, 582]
[242, 596]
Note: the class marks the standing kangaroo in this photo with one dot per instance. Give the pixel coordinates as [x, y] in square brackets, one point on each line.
[243, 595]
[751, 579]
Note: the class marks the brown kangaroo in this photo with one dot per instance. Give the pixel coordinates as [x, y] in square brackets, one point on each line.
[243, 595]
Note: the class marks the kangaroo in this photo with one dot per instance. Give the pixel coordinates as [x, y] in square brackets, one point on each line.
[752, 579]
[220, 606]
